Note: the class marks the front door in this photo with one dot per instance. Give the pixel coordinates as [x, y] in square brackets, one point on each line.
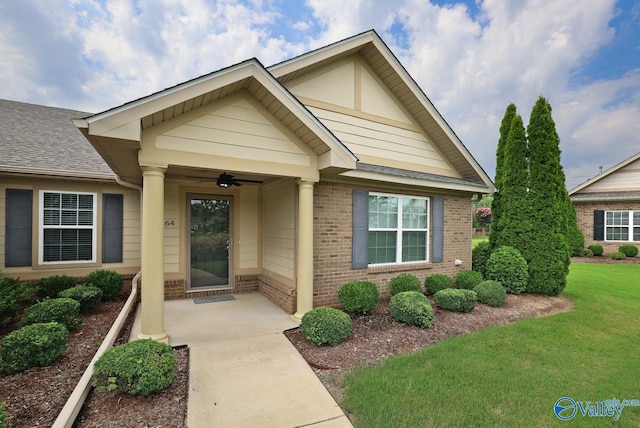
[210, 241]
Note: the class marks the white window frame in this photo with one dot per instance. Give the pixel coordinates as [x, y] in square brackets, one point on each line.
[630, 226]
[400, 229]
[42, 227]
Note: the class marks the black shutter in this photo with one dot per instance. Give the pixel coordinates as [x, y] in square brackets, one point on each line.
[437, 224]
[360, 240]
[18, 223]
[112, 228]
[598, 225]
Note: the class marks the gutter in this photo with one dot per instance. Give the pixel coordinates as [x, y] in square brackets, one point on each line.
[72, 407]
[67, 416]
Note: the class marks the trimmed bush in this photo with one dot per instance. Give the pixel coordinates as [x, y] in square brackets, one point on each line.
[3, 417]
[359, 296]
[411, 307]
[137, 368]
[586, 253]
[468, 279]
[507, 266]
[437, 282]
[61, 310]
[50, 287]
[491, 293]
[404, 282]
[88, 297]
[628, 250]
[596, 249]
[479, 257]
[618, 256]
[110, 282]
[325, 325]
[33, 345]
[13, 294]
[456, 300]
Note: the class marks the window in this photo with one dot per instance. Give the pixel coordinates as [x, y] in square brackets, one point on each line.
[67, 227]
[622, 226]
[398, 228]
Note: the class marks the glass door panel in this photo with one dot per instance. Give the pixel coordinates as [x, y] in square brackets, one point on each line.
[209, 241]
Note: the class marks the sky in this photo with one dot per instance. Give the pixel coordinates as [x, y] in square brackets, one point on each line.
[471, 58]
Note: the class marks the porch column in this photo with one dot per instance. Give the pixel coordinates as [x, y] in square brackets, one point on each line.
[304, 254]
[152, 251]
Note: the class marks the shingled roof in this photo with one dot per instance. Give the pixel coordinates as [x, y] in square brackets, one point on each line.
[43, 140]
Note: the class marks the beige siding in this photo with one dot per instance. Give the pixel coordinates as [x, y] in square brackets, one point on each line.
[384, 144]
[236, 130]
[377, 101]
[173, 223]
[627, 178]
[335, 86]
[131, 227]
[248, 230]
[278, 236]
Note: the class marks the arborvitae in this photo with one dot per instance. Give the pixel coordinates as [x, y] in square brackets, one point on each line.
[496, 204]
[548, 255]
[515, 224]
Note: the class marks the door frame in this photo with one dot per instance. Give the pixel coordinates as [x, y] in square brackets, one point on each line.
[231, 283]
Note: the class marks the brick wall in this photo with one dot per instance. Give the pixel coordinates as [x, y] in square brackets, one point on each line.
[175, 289]
[584, 214]
[332, 242]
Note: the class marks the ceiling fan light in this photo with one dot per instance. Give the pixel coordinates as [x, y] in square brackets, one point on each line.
[225, 181]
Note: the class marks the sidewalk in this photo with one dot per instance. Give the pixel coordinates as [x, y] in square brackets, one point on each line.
[243, 371]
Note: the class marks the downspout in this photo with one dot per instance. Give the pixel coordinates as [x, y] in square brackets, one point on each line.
[67, 416]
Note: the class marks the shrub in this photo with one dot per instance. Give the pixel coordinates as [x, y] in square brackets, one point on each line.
[618, 256]
[110, 282]
[13, 294]
[62, 310]
[456, 300]
[491, 293]
[359, 296]
[436, 282]
[479, 257]
[586, 253]
[3, 417]
[468, 279]
[411, 307]
[596, 249]
[88, 297]
[404, 282]
[138, 368]
[50, 287]
[507, 266]
[33, 345]
[628, 250]
[325, 325]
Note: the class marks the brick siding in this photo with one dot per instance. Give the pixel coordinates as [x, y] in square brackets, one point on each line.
[584, 214]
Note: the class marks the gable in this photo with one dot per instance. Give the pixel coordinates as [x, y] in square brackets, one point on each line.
[624, 177]
[351, 101]
[236, 133]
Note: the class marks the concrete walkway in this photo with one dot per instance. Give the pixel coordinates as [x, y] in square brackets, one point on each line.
[243, 371]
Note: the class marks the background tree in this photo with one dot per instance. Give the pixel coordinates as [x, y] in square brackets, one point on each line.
[548, 253]
[496, 205]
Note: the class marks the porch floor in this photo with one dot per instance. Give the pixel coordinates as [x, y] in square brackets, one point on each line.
[243, 370]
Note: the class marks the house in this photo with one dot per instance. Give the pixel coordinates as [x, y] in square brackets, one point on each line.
[292, 180]
[608, 206]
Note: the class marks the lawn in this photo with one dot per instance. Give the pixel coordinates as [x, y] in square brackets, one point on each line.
[476, 239]
[513, 375]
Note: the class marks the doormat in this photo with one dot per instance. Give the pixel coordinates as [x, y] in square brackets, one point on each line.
[212, 299]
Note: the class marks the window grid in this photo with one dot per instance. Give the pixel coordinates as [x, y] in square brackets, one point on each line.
[68, 227]
[398, 229]
[622, 226]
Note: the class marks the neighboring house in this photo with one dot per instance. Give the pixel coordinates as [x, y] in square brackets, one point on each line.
[608, 206]
[292, 180]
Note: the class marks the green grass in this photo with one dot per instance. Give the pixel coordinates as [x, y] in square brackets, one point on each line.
[476, 239]
[511, 376]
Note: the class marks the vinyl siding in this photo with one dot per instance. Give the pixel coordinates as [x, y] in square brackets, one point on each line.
[278, 236]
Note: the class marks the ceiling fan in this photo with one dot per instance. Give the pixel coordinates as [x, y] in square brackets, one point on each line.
[227, 180]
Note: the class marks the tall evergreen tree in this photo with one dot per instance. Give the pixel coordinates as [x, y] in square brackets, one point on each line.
[515, 224]
[496, 204]
[549, 255]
